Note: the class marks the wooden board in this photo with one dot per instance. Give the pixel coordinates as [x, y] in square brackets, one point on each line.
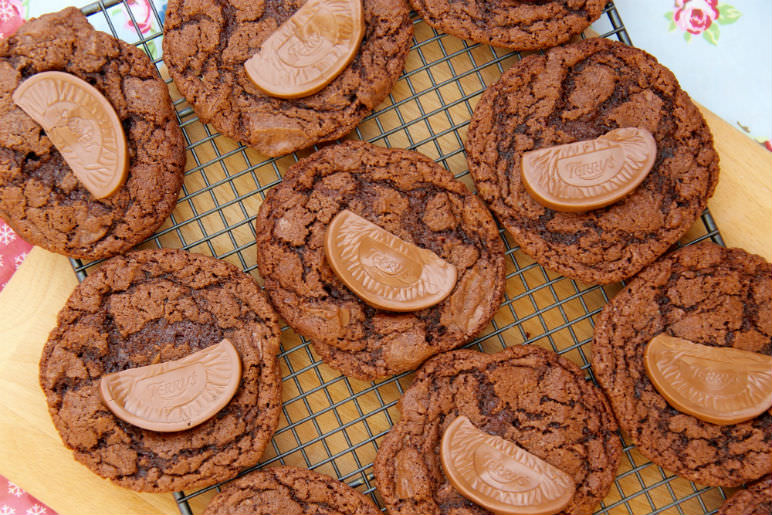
[31, 453]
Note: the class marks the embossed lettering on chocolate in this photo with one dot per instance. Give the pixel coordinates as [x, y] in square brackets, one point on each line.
[413, 198]
[720, 385]
[40, 195]
[500, 475]
[82, 125]
[309, 50]
[589, 174]
[579, 92]
[528, 396]
[174, 395]
[207, 42]
[156, 307]
[383, 270]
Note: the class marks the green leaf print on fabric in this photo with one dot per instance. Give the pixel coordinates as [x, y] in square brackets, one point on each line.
[711, 34]
[669, 17]
[727, 14]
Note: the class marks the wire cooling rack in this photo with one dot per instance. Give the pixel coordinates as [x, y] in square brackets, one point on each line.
[331, 423]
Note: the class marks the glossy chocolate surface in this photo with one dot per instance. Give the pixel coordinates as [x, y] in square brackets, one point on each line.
[589, 174]
[82, 125]
[500, 476]
[384, 270]
[309, 50]
[175, 395]
[721, 385]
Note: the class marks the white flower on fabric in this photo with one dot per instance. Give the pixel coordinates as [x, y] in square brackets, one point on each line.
[13, 488]
[6, 234]
[18, 260]
[6, 510]
[36, 510]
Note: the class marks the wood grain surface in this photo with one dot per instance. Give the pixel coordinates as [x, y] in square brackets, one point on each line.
[32, 454]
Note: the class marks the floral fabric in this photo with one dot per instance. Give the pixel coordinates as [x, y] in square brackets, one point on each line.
[721, 53]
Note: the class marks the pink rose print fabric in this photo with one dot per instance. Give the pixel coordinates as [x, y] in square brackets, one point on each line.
[13, 250]
[15, 501]
[143, 15]
[11, 17]
[695, 17]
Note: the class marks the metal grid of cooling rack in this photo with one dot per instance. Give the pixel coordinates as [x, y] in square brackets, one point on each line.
[329, 422]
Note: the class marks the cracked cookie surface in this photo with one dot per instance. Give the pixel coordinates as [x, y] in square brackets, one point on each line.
[524, 394]
[289, 491]
[415, 199]
[206, 43]
[40, 197]
[518, 24]
[150, 307]
[575, 93]
[756, 499]
[708, 295]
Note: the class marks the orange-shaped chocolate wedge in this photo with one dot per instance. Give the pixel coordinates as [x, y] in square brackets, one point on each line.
[309, 50]
[589, 174]
[384, 270]
[500, 476]
[175, 395]
[721, 385]
[81, 124]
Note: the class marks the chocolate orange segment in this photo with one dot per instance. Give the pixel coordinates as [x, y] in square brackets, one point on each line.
[589, 174]
[175, 395]
[384, 270]
[82, 125]
[500, 476]
[308, 50]
[721, 385]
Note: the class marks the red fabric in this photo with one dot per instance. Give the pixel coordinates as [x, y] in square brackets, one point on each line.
[13, 250]
[15, 501]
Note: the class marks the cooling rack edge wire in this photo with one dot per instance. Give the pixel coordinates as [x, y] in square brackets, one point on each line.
[331, 423]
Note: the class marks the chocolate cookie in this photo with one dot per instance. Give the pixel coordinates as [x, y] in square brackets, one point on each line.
[754, 500]
[519, 24]
[708, 295]
[289, 491]
[579, 92]
[523, 394]
[206, 44]
[150, 307]
[416, 200]
[40, 197]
